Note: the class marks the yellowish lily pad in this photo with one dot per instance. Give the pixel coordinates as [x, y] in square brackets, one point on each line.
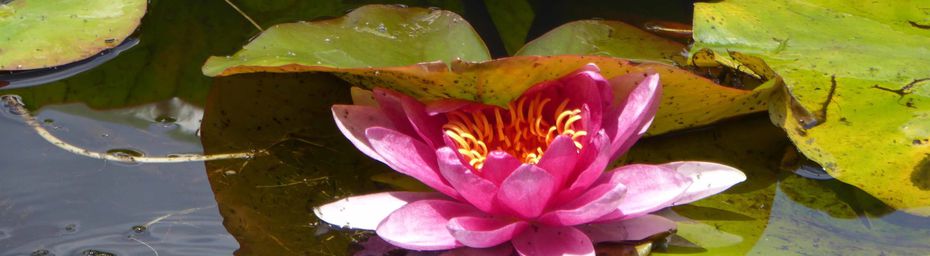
[45, 33]
[856, 83]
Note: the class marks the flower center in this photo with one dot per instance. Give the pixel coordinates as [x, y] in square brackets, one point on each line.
[523, 130]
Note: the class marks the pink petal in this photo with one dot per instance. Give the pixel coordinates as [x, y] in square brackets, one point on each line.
[501, 250]
[628, 230]
[556, 241]
[421, 225]
[411, 113]
[393, 108]
[595, 203]
[481, 232]
[584, 88]
[498, 166]
[363, 97]
[474, 189]
[527, 191]
[648, 188]
[408, 156]
[353, 120]
[446, 106]
[635, 112]
[367, 211]
[560, 158]
[594, 159]
[707, 179]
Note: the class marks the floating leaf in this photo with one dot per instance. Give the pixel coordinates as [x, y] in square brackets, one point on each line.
[451, 71]
[42, 33]
[606, 38]
[370, 36]
[857, 84]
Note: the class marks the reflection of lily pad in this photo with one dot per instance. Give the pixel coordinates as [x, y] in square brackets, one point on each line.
[857, 83]
[732, 222]
[267, 201]
[39, 34]
[775, 212]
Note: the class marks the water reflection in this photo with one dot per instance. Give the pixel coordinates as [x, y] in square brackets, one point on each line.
[267, 201]
[56, 202]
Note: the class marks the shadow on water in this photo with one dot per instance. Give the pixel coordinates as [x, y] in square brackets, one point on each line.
[19, 79]
[267, 202]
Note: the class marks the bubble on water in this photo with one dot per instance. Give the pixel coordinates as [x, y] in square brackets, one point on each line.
[71, 228]
[41, 252]
[138, 228]
[165, 119]
[92, 252]
[327, 40]
[290, 53]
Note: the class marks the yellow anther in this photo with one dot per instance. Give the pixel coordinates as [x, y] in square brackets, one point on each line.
[524, 131]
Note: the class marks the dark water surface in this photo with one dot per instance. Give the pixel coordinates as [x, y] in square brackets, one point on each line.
[153, 100]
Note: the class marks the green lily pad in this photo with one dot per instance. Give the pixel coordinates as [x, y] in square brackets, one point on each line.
[370, 36]
[42, 33]
[606, 38]
[461, 70]
[856, 83]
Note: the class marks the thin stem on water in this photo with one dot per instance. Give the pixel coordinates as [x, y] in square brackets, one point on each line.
[245, 15]
[15, 105]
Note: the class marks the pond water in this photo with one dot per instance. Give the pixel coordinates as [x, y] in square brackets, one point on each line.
[152, 100]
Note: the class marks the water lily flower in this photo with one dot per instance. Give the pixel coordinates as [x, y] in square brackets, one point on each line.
[528, 177]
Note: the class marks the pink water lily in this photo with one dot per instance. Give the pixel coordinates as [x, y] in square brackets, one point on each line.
[528, 177]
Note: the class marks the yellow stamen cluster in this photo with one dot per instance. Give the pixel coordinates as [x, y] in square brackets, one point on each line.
[522, 130]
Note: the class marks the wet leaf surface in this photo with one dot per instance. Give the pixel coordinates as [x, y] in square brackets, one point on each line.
[40, 34]
[856, 89]
[174, 40]
[403, 36]
[448, 71]
[606, 38]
